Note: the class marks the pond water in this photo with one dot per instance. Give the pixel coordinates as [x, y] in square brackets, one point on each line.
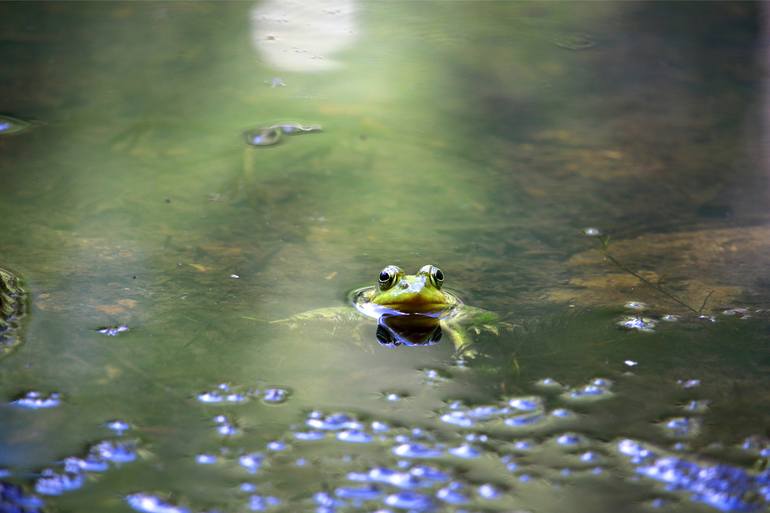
[596, 174]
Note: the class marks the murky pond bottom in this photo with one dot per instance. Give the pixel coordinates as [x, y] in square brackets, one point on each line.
[180, 179]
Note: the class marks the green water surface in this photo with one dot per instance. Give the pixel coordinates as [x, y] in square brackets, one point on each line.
[483, 137]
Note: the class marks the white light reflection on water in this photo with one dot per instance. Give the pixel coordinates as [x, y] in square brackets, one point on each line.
[303, 36]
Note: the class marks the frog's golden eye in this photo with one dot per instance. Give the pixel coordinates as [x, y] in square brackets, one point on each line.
[434, 273]
[388, 277]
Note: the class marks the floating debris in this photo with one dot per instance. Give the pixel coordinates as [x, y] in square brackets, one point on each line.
[638, 323]
[268, 136]
[740, 313]
[112, 331]
[12, 126]
[37, 400]
[263, 136]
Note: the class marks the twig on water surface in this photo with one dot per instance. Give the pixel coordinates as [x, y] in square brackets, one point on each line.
[605, 242]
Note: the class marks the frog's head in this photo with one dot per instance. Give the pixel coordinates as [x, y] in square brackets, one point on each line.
[405, 293]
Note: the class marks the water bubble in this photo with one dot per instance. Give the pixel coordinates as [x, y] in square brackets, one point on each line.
[225, 426]
[16, 500]
[721, 486]
[524, 445]
[488, 491]
[465, 451]
[261, 503]
[37, 400]
[205, 459]
[635, 450]
[112, 331]
[332, 422]
[118, 426]
[275, 395]
[74, 465]
[354, 436]
[590, 457]
[276, 82]
[115, 451]
[527, 404]
[670, 318]
[570, 440]
[523, 420]
[380, 427]
[575, 41]
[696, 406]
[549, 384]
[363, 493]
[147, 503]
[458, 418]
[630, 363]
[416, 450]
[592, 232]
[410, 501]
[451, 494]
[682, 427]
[637, 306]
[251, 462]
[598, 388]
[309, 436]
[52, 483]
[276, 446]
[688, 383]
[562, 413]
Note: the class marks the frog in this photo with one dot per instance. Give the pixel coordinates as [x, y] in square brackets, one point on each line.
[412, 310]
[13, 306]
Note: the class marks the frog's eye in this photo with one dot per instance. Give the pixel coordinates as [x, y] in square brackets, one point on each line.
[435, 275]
[388, 277]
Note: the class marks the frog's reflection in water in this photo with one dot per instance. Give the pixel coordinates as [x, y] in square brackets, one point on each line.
[408, 330]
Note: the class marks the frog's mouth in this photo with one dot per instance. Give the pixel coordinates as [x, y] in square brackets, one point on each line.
[416, 306]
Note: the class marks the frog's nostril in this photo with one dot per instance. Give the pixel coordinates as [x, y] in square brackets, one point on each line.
[404, 285]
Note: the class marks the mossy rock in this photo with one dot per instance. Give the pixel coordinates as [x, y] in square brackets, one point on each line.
[13, 306]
